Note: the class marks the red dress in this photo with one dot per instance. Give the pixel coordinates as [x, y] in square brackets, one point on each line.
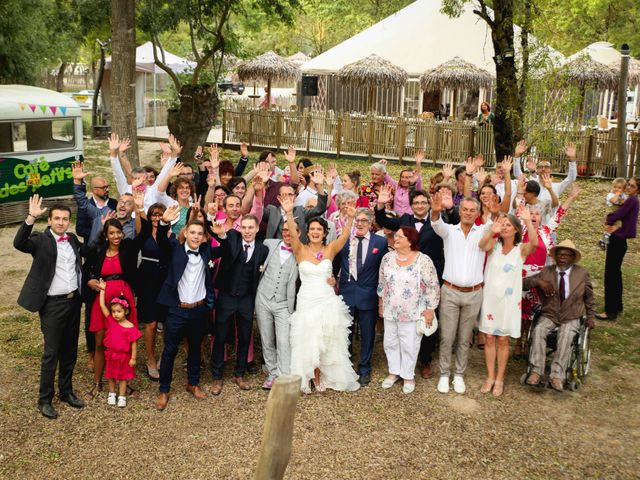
[115, 288]
[117, 342]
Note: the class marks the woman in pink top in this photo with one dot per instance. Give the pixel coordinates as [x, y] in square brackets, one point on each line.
[409, 180]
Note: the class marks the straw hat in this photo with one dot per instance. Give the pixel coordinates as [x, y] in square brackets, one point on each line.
[569, 245]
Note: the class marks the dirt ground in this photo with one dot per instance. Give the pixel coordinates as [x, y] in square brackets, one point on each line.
[369, 434]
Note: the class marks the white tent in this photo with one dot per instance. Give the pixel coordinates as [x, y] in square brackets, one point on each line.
[417, 38]
[145, 65]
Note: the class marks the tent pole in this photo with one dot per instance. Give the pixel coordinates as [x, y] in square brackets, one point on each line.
[154, 100]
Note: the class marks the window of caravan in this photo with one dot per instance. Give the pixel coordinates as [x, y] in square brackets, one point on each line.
[37, 136]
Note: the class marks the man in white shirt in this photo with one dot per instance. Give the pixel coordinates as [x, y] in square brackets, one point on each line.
[461, 293]
[52, 289]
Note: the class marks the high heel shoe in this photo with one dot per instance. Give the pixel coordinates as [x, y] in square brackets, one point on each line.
[487, 386]
[498, 388]
[93, 391]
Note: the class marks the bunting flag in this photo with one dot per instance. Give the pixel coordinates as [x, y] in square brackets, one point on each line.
[63, 110]
[32, 107]
[43, 108]
[22, 106]
[53, 110]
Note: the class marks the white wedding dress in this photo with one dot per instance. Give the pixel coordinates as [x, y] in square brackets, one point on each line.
[320, 332]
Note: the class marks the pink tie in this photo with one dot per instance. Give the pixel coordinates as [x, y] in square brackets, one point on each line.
[285, 248]
[64, 238]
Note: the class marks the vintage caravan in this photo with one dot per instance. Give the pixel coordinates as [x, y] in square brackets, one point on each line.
[40, 136]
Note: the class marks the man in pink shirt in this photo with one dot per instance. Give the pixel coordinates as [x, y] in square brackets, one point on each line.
[409, 180]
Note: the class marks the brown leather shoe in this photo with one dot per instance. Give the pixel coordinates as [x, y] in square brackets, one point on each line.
[425, 371]
[196, 391]
[534, 379]
[161, 401]
[556, 384]
[242, 383]
[216, 387]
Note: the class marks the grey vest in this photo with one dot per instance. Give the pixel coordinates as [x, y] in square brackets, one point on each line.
[275, 278]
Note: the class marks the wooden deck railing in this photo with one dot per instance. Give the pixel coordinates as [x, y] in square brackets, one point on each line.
[399, 137]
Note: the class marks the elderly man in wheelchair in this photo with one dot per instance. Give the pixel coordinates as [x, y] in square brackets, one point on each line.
[567, 304]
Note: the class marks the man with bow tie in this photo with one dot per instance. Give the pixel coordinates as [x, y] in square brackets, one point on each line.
[359, 264]
[52, 289]
[275, 302]
[243, 258]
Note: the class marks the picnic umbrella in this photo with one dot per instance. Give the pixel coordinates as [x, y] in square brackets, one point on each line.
[371, 72]
[455, 74]
[268, 67]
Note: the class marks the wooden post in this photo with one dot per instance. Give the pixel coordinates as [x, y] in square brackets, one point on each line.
[371, 131]
[338, 135]
[224, 126]
[251, 128]
[621, 168]
[438, 135]
[590, 151]
[279, 129]
[308, 124]
[472, 147]
[401, 129]
[275, 450]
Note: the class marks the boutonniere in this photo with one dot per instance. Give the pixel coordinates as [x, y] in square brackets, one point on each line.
[210, 264]
[375, 250]
[261, 268]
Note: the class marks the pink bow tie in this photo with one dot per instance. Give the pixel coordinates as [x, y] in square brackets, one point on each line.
[284, 247]
[64, 238]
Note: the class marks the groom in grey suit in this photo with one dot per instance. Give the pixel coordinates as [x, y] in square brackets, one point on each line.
[275, 302]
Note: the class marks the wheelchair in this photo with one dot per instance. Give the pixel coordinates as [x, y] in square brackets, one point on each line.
[578, 367]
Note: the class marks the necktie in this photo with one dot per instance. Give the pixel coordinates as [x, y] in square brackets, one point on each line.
[246, 252]
[359, 256]
[63, 238]
[285, 248]
[417, 220]
[561, 287]
[193, 252]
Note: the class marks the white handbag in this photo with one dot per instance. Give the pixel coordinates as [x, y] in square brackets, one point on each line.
[421, 324]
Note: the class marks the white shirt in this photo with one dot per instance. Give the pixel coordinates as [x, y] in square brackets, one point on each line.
[151, 194]
[65, 278]
[284, 254]
[252, 247]
[418, 225]
[191, 287]
[567, 273]
[304, 196]
[558, 187]
[463, 259]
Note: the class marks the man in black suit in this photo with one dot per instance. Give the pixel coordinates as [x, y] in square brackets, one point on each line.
[243, 258]
[52, 289]
[188, 292]
[430, 244]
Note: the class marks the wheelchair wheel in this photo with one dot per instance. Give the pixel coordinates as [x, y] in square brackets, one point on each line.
[585, 353]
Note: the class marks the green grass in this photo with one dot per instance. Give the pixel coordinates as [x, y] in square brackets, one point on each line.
[613, 343]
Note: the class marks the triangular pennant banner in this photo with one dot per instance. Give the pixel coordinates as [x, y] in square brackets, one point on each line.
[53, 109]
[22, 106]
[63, 110]
[43, 108]
[32, 107]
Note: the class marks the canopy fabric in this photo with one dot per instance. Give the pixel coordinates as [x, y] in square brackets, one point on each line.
[417, 38]
[145, 62]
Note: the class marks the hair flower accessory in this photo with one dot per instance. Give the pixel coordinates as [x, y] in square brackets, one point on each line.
[120, 301]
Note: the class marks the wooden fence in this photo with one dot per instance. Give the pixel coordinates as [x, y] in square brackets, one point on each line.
[399, 138]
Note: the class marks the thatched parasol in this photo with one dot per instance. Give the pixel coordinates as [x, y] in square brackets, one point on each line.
[634, 71]
[298, 59]
[455, 74]
[584, 72]
[266, 68]
[371, 72]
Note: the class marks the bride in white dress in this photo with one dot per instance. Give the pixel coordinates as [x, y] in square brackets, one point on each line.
[320, 325]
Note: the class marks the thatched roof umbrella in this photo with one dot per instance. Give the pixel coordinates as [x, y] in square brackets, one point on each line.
[455, 74]
[634, 71]
[371, 72]
[298, 59]
[268, 67]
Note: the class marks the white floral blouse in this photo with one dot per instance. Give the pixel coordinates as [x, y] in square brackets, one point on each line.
[398, 288]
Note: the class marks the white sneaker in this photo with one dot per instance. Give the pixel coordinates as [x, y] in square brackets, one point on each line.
[408, 387]
[458, 384]
[122, 401]
[443, 385]
[111, 399]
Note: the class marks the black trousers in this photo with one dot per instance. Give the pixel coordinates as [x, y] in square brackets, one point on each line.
[242, 308]
[60, 326]
[613, 275]
[428, 345]
[89, 337]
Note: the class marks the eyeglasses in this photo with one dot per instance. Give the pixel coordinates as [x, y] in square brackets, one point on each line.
[361, 220]
[103, 187]
[420, 203]
[545, 166]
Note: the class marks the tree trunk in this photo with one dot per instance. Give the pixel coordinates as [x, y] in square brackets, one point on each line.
[192, 122]
[60, 77]
[507, 126]
[97, 87]
[524, 44]
[123, 71]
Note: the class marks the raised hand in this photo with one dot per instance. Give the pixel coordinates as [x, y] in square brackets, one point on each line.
[35, 206]
[521, 147]
[258, 184]
[287, 205]
[385, 194]
[138, 199]
[197, 201]
[351, 212]
[125, 144]
[212, 209]
[114, 144]
[531, 164]
[481, 176]
[522, 181]
[545, 179]
[470, 165]
[77, 172]
[107, 216]
[507, 163]
[164, 158]
[574, 192]
[496, 226]
[136, 184]
[217, 226]
[570, 150]
[317, 177]
[211, 180]
[176, 147]
[447, 170]
[166, 148]
[290, 154]
[176, 170]
[244, 151]
[214, 157]
[102, 285]
[436, 202]
[523, 213]
[332, 175]
[478, 160]
[171, 213]
[447, 199]
[419, 157]
[198, 155]
[383, 161]
[494, 204]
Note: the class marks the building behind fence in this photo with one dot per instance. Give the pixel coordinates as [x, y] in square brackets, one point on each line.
[400, 137]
